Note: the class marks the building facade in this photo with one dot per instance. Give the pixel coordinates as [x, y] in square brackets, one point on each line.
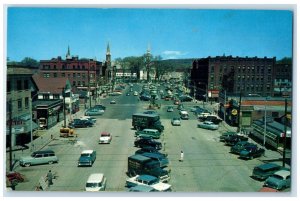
[283, 80]
[19, 107]
[211, 75]
[83, 74]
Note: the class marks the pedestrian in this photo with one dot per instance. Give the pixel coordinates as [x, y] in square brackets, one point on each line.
[49, 178]
[181, 156]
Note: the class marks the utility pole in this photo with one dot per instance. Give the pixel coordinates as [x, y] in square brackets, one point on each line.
[64, 106]
[225, 107]
[10, 134]
[89, 87]
[239, 113]
[285, 131]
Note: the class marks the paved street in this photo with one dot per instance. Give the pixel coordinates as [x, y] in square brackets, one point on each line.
[208, 166]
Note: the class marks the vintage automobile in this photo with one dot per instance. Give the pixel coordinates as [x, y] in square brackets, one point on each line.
[112, 102]
[239, 146]
[262, 172]
[176, 121]
[148, 180]
[141, 142]
[226, 135]
[279, 180]
[251, 152]
[149, 150]
[208, 125]
[94, 112]
[142, 188]
[105, 138]
[170, 109]
[232, 140]
[38, 158]
[87, 158]
[81, 123]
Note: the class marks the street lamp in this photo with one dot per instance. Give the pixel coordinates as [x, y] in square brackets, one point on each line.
[31, 136]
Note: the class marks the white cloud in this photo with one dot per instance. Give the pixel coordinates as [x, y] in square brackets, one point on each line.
[173, 54]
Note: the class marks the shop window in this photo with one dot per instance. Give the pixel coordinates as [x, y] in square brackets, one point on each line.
[19, 104]
[26, 102]
[19, 85]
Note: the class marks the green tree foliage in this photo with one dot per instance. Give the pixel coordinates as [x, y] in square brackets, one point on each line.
[285, 60]
[27, 61]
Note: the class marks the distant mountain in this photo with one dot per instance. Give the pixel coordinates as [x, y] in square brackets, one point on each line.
[177, 63]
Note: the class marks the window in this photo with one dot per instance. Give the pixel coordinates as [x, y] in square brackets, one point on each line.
[19, 85]
[46, 96]
[63, 74]
[78, 83]
[54, 74]
[8, 87]
[74, 83]
[73, 66]
[46, 75]
[83, 83]
[83, 75]
[54, 67]
[78, 74]
[63, 67]
[83, 67]
[55, 96]
[74, 74]
[26, 102]
[69, 75]
[19, 104]
[26, 85]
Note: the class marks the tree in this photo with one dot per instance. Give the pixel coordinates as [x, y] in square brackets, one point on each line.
[27, 61]
[285, 60]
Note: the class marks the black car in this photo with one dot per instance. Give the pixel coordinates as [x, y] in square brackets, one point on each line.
[145, 98]
[141, 142]
[251, 152]
[239, 146]
[81, 123]
[149, 150]
[232, 140]
[227, 135]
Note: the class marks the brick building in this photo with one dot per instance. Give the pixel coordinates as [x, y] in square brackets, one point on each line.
[283, 80]
[211, 75]
[80, 72]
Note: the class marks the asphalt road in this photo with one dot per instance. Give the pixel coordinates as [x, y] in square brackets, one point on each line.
[207, 167]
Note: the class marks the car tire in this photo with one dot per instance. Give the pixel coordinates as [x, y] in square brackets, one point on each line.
[27, 164]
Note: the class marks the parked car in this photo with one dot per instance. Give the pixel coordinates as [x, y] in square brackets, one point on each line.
[142, 188]
[170, 109]
[232, 140]
[140, 142]
[279, 180]
[102, 107]
[38, 158]
[93, 112]
[226, 135]
[262, 172]
[96, 182]
[148, 180]
[176, 102]
[153, 133]
[251, 152]
[239, 146]
[135, 93]
[113, 102]
[127, 94]
[208, 125]
[105, 138]
[149, 150]
[87, 158]
[81, 123]
[176, 121]
[92, 119]
[194, 108]
[184, 115]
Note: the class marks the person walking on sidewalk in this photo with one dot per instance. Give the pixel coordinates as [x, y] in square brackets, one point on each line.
[49, 178]
[181, 156]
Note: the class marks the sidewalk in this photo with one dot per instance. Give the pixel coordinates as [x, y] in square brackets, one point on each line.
[39, 143]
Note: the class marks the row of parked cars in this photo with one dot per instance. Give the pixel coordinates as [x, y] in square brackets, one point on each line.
[273, 175]
[148, 167]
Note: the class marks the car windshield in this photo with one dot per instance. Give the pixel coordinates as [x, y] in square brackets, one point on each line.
[93, 185]
[85, 155]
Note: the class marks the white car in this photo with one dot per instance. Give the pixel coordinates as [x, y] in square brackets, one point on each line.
[105, 138]
[148, 180]
[176, 121]
[135, 93]
[208, 125]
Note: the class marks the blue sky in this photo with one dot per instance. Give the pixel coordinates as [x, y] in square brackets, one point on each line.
[44, 33]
